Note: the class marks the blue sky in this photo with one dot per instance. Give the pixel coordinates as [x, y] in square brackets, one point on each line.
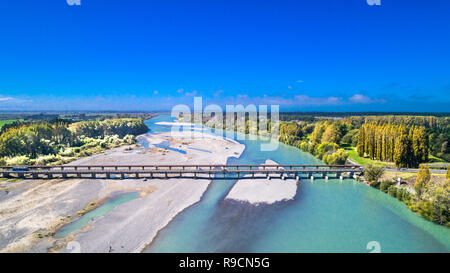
[324, 55]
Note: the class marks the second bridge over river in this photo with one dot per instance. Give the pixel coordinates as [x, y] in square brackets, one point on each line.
[180, 171]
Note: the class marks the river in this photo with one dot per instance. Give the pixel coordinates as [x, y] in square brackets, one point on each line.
[333, 216]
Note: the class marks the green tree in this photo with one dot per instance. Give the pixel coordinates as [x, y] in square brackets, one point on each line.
[423, 177]
[373, 173]
[402, 149]
[384, 185]
[392, 191]
[331, 134]
[318, 131]
[351, 138]
[289, 133]
[361, 141]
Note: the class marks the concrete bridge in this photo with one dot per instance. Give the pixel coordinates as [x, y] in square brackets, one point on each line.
[180, 171]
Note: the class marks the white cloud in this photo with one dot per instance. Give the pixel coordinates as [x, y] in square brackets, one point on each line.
[361, 99]
[301, 100]
[218, 93]
[6, 98]
[180, 90]
[155, 92]
[191, 94]
[307, 100]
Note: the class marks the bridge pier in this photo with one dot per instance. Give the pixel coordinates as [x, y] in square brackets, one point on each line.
[137, 175]
[78, 175]
[64, 175]
[50, 176]
[122, 176]
[352, 174]
[35, 176]
[93, 175]
[108, 175]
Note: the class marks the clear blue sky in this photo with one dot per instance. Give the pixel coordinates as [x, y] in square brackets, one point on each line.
[326, 55]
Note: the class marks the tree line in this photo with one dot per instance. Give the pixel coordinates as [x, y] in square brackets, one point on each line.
[120, 127]
[394, 143]
[43, 138]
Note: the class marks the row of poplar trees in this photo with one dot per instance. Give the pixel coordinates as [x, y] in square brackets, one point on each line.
[406, 147]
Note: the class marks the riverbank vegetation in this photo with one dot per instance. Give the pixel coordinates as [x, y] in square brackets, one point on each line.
[429, 195]
[58, 141]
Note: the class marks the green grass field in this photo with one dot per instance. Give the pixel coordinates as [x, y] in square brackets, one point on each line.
[434, 162]
[353, 156]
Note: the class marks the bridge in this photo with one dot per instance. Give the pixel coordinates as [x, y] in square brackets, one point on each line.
[180, 171]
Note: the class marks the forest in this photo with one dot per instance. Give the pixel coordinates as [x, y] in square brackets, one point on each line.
[394, 143]
[58, 141]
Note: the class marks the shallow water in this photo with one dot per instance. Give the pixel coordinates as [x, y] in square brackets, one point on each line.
[102, 210]
[166, 145]
[333, 216]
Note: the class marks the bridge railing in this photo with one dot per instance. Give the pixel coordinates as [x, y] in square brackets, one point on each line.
[169, 167]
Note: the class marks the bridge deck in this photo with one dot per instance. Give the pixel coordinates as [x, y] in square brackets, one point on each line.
[174, 171]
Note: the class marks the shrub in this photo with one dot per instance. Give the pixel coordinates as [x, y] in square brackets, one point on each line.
[373, 173]
[337, 158]
[392, 191]
[375, 184]
[384, 185]
[44, 160]
[18, 160]
[67, 152]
